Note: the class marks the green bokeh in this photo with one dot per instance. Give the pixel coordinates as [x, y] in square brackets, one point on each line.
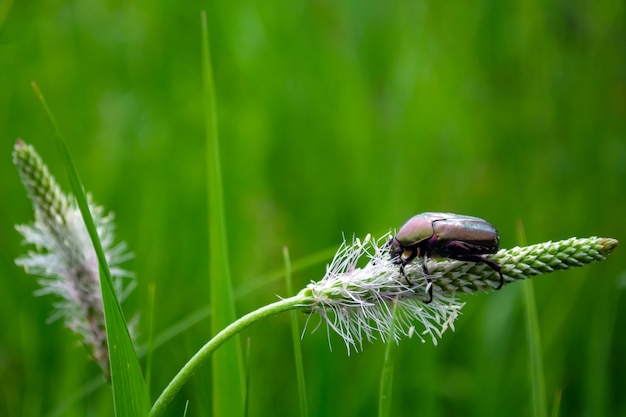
[335, 117]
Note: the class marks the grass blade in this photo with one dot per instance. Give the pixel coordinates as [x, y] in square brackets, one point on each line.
[246, 399]
[297, 345]
[227, 371]
[130, 395]
[386, 376]
[556, 406]
[540, 405]
[150, 343]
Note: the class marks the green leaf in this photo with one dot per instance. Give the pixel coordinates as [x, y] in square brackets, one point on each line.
[130, 395]
[227, 362]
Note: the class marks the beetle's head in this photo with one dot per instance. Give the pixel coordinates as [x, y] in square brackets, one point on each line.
[395, 250]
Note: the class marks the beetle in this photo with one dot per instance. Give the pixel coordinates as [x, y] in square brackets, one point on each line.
[444, 235]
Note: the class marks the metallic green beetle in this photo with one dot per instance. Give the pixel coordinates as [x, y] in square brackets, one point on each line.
[445, 235]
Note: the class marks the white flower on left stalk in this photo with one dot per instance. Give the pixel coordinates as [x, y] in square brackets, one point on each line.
[64, 257]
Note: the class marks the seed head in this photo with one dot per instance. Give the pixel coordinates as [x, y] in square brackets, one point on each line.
[356, 297]
[64, 257]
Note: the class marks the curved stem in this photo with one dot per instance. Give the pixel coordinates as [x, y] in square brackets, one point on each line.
[205, 352]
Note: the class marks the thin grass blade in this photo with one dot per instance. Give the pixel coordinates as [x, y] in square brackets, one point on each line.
[556, 405]
[227, 370]
[297, 345]
[386, 375]
[130, 394]
[540, 404]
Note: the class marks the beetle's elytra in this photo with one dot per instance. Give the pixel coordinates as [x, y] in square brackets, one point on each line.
[445, 235]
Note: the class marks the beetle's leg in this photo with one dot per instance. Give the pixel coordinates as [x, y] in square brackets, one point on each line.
[429, 283]
[495, 267]
[498, 269]
[428, 279]
[486, 261]
[406, 277]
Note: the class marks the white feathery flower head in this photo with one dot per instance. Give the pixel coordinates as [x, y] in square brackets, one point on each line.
[357, 302]
[64, 256]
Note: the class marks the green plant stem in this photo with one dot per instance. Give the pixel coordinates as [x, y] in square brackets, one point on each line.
[205, 352]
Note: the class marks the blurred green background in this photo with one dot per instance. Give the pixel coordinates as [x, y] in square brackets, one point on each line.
[335, 117]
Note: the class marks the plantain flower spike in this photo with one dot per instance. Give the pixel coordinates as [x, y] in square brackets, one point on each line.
[63, 255]
[356, 297]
